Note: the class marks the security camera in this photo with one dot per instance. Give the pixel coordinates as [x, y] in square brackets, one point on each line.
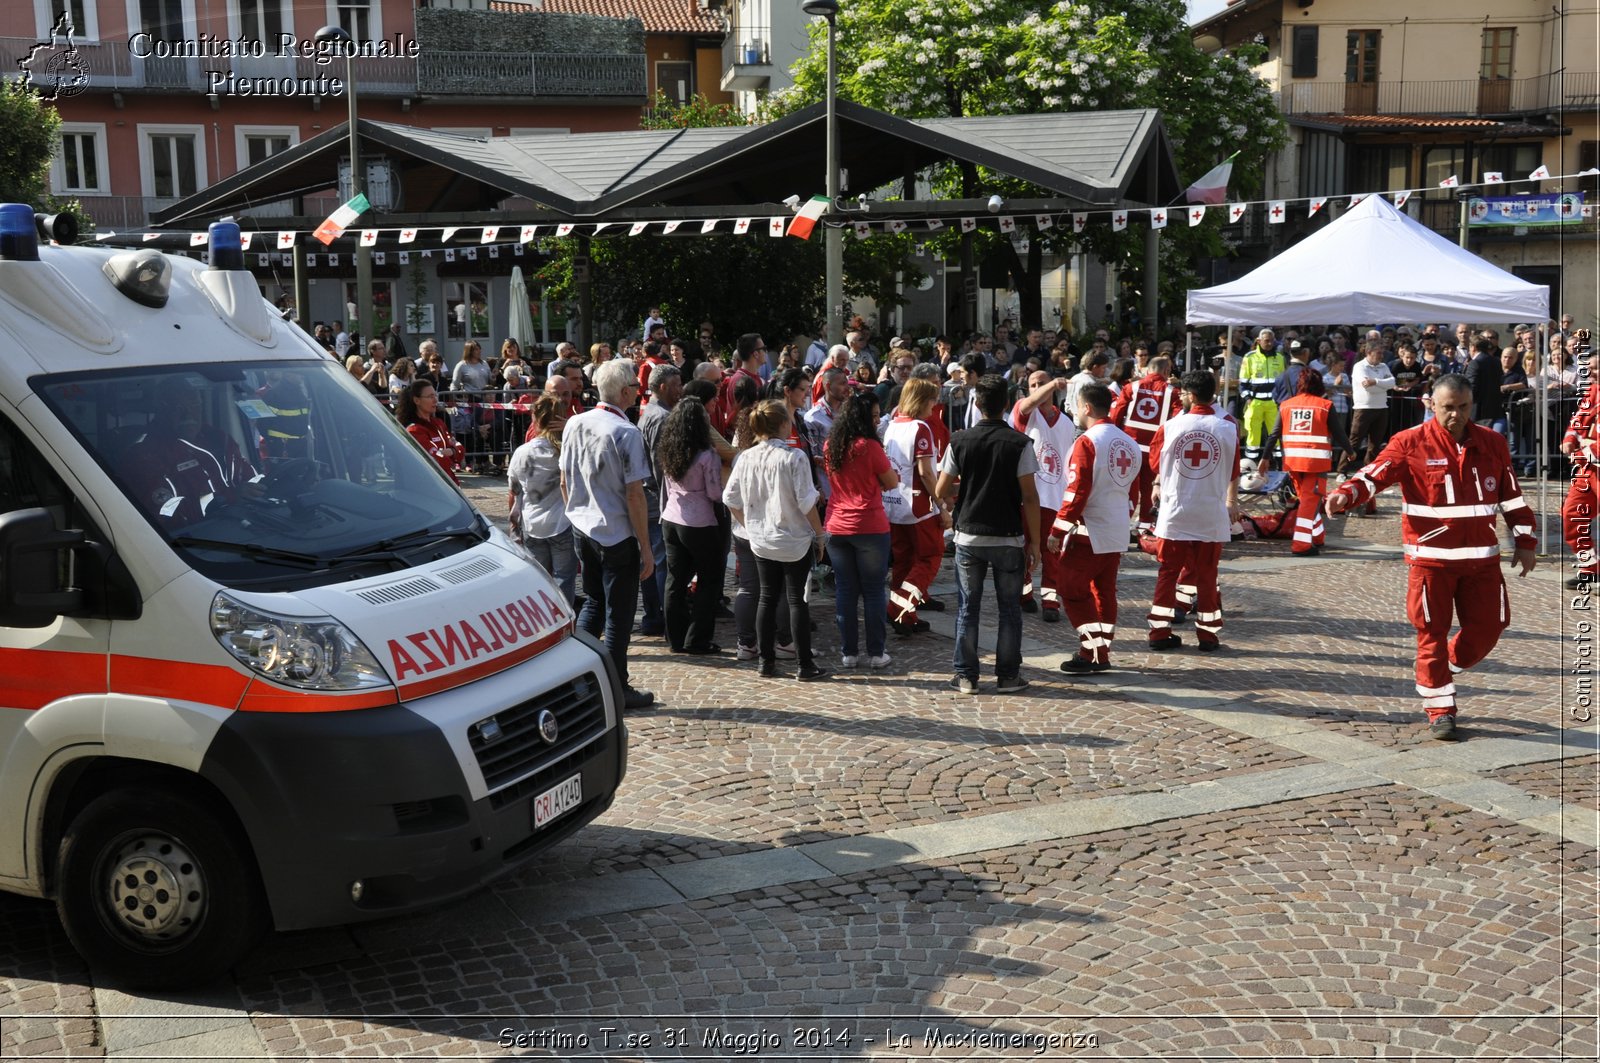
[861, 201]
[995, 203]
[792, 202]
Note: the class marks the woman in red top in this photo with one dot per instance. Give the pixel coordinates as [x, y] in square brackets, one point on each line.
[858, 527]
[418, 413]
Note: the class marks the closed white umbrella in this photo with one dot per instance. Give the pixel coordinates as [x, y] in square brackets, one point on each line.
[521, 320]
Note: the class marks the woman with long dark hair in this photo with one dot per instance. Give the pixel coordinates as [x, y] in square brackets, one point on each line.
[771, 494]
[858, 527]
[691, 475]
[418, 414]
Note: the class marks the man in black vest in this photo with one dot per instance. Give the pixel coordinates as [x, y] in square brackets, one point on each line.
[987, 474]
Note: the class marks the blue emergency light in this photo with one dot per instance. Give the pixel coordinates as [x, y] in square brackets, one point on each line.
[19, 233]
[224, 245]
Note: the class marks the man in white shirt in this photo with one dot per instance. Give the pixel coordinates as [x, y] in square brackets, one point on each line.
[1370, 381]
[341, 340]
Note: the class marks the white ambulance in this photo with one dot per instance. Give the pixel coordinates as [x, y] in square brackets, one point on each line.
[261, 664]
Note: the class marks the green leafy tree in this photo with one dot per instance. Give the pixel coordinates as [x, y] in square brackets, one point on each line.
[749, 283]
[32, 137]
[959, 58]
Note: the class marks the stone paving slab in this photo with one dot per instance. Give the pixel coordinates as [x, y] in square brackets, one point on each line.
[1574, 782]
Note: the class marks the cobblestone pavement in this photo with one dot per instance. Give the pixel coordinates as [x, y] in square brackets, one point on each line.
[1254, 854]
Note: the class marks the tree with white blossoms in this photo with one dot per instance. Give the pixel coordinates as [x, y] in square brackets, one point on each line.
[961, 58]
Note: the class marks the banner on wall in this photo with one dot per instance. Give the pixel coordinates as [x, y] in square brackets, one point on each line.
[1499, 211]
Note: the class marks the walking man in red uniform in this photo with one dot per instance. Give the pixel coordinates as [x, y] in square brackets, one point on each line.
[1142, 408]
[1090, 532]
[1454, 476]
[1195, 456]
[1051, 430]
[1307, 457]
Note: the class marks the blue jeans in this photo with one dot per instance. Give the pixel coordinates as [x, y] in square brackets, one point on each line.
[559, 558]
[611, 593]
[972, 564]
[860, 566]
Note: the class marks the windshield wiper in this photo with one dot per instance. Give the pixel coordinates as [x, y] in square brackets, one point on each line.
[256, 550]
[391, 548]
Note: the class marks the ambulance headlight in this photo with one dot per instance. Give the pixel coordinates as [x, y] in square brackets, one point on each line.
[312, 653]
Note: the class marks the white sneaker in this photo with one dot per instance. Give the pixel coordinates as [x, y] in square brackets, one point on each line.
[849, 661]
[880, 661]
[748, 653]
[783, 649]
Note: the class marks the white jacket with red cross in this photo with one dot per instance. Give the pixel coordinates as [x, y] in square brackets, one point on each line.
[1096, 505]
[1195, 457]
[1144, 406]
[1449, 494]
[1581, 431]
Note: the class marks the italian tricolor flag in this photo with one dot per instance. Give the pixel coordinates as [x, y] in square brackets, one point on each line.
[806, 218]
[1213, 187]
[340, 219]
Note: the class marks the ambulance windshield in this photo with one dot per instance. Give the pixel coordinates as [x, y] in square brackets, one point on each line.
[273, 474]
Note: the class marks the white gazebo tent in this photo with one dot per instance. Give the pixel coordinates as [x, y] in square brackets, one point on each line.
[1377, 264]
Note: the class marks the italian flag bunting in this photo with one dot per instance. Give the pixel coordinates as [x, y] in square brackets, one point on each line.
[806, 218]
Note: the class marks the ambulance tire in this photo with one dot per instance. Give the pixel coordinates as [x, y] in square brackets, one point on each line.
[156, 891]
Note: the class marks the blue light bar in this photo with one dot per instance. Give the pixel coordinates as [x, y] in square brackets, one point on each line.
[19, 234]
[225, 250]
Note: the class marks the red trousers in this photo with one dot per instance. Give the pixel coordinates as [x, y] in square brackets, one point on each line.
[915, 551]
[1089, 596]
[1308, 529]
[1189, 566]
[1143, 492]
[1577, 519]
[1477, 593]
[1048, 581]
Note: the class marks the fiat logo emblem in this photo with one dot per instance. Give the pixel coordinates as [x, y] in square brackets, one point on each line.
[549, 730]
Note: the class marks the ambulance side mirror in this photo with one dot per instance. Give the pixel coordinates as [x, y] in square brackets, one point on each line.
[38, 580]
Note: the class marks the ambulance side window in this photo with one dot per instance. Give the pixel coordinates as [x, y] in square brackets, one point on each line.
[26, 480]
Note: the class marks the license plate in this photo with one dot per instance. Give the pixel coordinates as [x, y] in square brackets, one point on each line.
[562, 797]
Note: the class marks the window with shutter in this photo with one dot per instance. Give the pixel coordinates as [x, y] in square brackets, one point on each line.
[1305, 52]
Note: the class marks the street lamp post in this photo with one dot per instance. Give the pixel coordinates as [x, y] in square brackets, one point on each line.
[832, 235]
[341, 36]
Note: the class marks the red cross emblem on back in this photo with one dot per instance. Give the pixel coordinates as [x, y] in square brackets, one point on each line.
[1197, 454]
[1122, 459]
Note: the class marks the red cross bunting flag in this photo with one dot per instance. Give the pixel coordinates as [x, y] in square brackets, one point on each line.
[602, 225]
[527, 233]
[489, 233]
[285, 239]
[968, 224]
[638, 227]
[564, 229]
[446, 234]
[1354, 200]
[862, 230]
[670, 227]
[934, 223]
[379, 258]
[1540, 174]
[1400, 198]
[897, 226]
[449, 254]
[369, 237]
[708, 225]
[1043, 222]
[1317, 204]
[1119, 221]
[263, 260]
[151, 236]
[494, 250]
[472, 254]
[1158, 218]
[741, 226]
[1276, 210]
[1008, 224]
[1197, 214]
[407, 235]
[196, 239]
[405, 258]
[775, 226]
[1449, 182]
[1079, 220]
[1494, 177]
[244, 240]
[1236, 211]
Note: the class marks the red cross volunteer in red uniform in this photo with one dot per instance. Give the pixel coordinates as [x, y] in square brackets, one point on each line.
[1307, 457]
[1453, 476]
[1037, 416]
[1090, 531]
[1196, 459]
[1142, 408]
[916, 521]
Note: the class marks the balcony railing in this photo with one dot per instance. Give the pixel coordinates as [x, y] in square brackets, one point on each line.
[1473, 97]
[543, 74]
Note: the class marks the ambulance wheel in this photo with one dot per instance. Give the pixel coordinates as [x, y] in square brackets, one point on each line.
[156, 891]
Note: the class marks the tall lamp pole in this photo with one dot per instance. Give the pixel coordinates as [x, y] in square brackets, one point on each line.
[832, 235]
[347, 44]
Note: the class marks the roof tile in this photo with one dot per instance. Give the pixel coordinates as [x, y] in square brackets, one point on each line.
[658, 16]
